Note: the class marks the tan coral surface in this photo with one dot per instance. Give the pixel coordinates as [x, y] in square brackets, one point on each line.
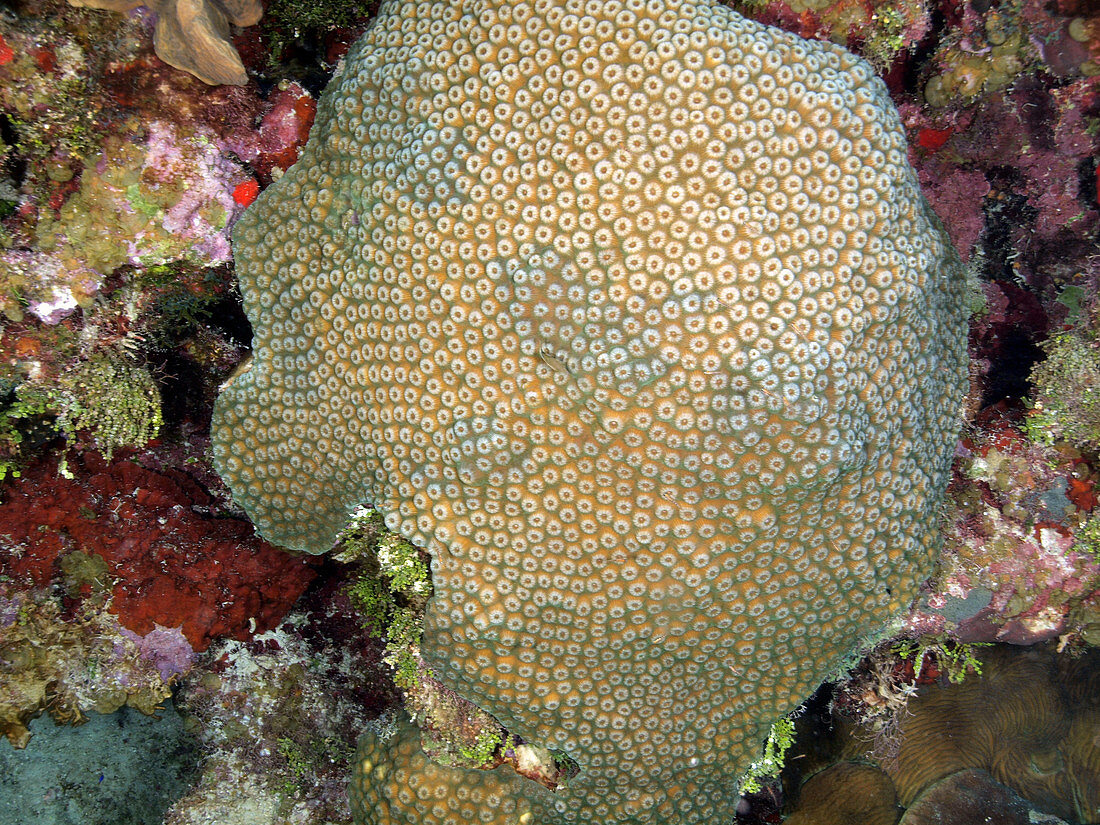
[632, 313]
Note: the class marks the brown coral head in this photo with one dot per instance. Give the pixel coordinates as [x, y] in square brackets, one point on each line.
[193, 35]
[632, 314]
[844, 793]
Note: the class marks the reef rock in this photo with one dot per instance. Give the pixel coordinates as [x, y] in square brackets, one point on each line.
[634, 316]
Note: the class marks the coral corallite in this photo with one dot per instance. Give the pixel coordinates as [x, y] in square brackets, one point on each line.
[632, 313]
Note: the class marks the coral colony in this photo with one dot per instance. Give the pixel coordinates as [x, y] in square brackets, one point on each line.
[635, 318]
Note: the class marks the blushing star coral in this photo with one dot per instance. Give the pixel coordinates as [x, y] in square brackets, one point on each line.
[633, 315]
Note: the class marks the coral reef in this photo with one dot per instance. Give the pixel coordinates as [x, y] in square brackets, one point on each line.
[1066, 389]
[882, 31]
[119, 180]
[284, 127]
[391, 589]
[120, 331]
[1037, 218]
[115, 400]
[970, 796]
[123, 181]
[987, 52]
[671, 412]
[847, 792]
[73, 661]
[93, 384]
[1012, 569]
[174, 557]
[110, 260]
[1013, 174]
[328, 29]
[278, 716]
[399, 773]
[164, 199]
[988, 46]
[193, 35]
